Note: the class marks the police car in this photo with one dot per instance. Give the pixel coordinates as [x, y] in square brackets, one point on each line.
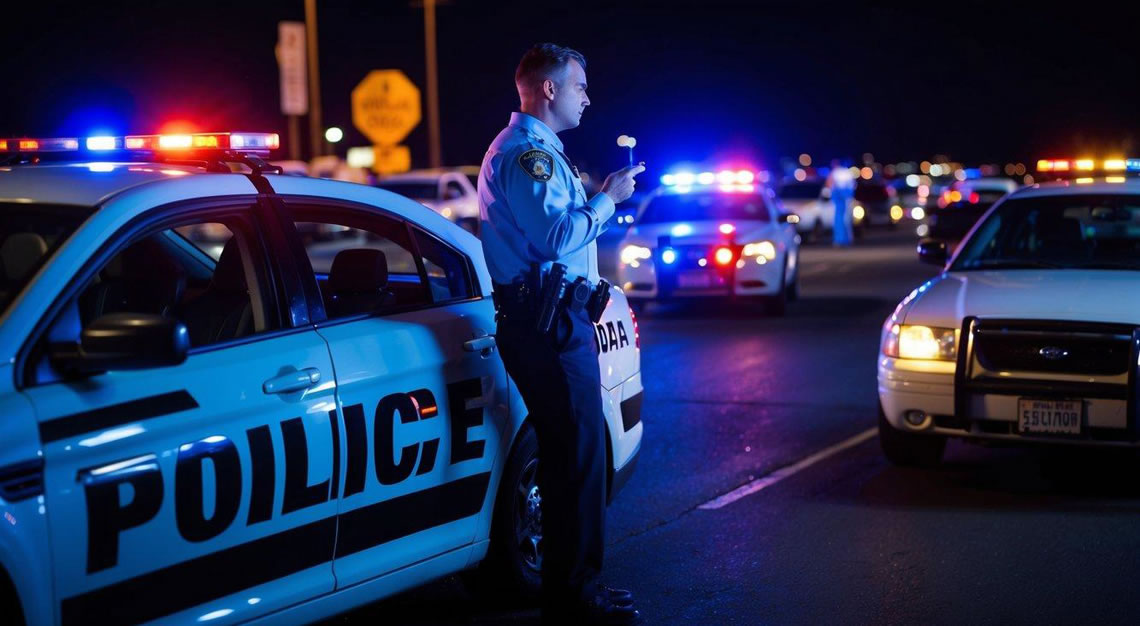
[721, 234]
[1032, 332]
[210, 415]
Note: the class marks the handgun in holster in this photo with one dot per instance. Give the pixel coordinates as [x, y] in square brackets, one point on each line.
[552, 292]
[598, 301]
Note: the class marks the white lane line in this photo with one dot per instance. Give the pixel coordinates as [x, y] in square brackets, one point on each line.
[786, 471]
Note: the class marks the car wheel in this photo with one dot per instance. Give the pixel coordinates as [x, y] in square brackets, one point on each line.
[514, 559]
[909, 449]
[816, 232]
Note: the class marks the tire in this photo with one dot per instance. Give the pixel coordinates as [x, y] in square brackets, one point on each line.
[910, 449]
[516, 523]
[777, 305]
[816, 232]
[10, 611]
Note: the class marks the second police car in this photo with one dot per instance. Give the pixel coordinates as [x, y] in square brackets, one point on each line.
[721, 234]
[1032, 332]
[211, 415]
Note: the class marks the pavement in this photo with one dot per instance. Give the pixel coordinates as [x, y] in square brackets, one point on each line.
[761, 495]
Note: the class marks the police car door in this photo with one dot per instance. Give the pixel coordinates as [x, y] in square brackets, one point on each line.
[415, 377]
[198, 491]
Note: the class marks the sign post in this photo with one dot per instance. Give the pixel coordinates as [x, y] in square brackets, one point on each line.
[294, 86]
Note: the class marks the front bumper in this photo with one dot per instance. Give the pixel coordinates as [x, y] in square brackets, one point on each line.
[962, 399]
[745, 278]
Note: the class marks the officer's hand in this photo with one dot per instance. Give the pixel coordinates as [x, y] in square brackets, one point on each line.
[619, 185]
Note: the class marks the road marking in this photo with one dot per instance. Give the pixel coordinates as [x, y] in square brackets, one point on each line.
[786, 471]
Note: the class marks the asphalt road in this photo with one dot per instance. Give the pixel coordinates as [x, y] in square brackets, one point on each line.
[834, 534]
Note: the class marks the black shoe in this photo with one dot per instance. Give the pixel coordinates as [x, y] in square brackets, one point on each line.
[601, 609]
[621, 597]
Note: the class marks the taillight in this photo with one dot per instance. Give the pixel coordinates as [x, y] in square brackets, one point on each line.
[636, 331]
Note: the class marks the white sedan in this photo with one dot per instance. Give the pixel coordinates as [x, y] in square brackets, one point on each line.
[449, 191]
[715, 240]
[1030, 335]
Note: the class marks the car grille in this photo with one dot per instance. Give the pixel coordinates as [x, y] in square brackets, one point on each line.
[1100, 350]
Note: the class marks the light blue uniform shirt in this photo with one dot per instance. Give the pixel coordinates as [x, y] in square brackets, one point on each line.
[533, 205]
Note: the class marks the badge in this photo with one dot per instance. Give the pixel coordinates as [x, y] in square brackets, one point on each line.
[537, 164]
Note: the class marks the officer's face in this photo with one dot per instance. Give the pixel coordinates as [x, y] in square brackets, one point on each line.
[570, 98]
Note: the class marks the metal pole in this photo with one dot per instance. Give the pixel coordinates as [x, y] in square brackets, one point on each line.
[432, 84]
[294, 138]
[315, 136]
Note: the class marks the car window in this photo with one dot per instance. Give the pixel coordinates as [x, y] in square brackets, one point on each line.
[364, 263]
[162, 272]
[159, 274]
[871, 192]
[452, 191]
[808, 190]
[1067, 232]
[29, 234]
[706, 206]
[448, 271]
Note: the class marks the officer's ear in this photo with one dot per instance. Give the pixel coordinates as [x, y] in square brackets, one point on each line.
[548, 89]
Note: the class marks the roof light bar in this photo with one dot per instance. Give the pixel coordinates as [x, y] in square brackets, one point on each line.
[1088, 165]
[238, 142]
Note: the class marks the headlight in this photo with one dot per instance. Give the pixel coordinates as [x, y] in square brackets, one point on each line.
[631, 253]
[766, 249]
[909, 341]
[858, 213]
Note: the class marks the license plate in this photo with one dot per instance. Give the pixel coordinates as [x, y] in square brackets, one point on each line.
[1049, 416]
[694, 280]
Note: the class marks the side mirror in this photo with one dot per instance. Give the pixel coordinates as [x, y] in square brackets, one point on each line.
[932, 251]
[123, 341]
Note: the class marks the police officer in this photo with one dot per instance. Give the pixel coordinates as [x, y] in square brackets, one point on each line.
[535, 213]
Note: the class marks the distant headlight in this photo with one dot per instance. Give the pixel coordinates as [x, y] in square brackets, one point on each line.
[766, 249]
[858, 213]
[909, 341]
[631, 254]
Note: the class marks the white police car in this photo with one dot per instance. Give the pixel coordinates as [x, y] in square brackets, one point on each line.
[451, 192]
[720, 234]
[1032, 333]
[212, 416]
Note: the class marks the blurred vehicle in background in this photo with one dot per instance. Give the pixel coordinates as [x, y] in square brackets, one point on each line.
[449, 191]
[724, 236]
[876, 204]
[947, 225]
[808, 200]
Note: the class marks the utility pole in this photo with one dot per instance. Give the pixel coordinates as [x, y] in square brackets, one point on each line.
[432, 84]
[316, 135]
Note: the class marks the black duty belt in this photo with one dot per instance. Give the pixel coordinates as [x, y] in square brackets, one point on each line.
[543, 296]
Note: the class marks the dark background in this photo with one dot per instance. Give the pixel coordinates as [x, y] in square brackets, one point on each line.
[707, 81]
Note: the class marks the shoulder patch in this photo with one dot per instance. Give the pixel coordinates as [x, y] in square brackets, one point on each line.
[538, 164]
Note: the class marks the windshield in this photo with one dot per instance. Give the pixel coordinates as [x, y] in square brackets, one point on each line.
[412, 189]
[871, 192]
[801, 191]
[706, 206]
[1067, 232]
[29, 234]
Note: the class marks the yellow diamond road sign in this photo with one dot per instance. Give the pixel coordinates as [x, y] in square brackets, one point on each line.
[386, 106]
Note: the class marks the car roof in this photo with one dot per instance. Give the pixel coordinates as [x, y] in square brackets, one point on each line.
[84, 183]
[1128, 186]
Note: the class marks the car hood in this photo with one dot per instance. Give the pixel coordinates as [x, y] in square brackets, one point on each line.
[703, 232]
[1079, 295]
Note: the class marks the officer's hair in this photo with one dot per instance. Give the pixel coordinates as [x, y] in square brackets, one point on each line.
[542, 62]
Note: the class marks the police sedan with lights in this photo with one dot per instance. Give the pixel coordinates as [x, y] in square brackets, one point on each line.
[1032, 332]
[711, 234]
[211, 415]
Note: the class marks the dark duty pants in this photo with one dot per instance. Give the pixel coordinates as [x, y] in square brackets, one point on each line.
[559, 379]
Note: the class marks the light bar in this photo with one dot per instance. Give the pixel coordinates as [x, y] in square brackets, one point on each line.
[238, 142]
[1088, 165]
[722, 177]
[57, 144]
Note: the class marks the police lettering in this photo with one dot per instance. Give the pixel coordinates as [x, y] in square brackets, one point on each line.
[609, 336]
[118, 501]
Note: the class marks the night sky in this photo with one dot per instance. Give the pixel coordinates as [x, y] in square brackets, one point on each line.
[708, 81]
